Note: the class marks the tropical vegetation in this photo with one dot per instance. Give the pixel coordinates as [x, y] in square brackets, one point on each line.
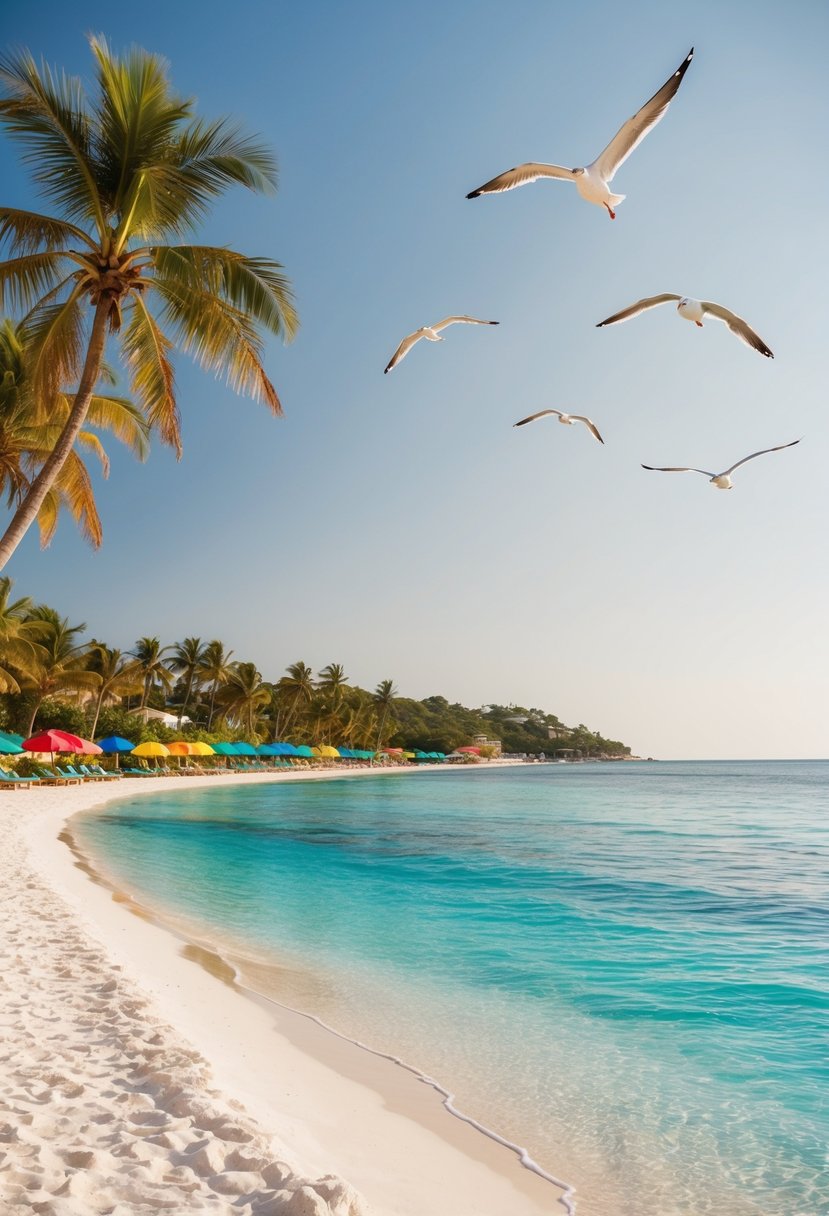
[51, 677]
[129, 172]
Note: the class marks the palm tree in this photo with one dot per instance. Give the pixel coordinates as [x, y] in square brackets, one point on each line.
[186, 661]
[120, 677]
[149, 654]
[214, 669]
[60, 663]
[243, 696]
[29, 432]
[299, 682]
[384, 697]
[18, 638]
[130, 169]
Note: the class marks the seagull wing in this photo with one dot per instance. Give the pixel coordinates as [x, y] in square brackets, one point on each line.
[656, 469]
[520, 175]
[467, 320]
[635, 129]
[402, 350]
[738, 326]
[779, 448]
[639, 306]
[540, 414]
[591, 426]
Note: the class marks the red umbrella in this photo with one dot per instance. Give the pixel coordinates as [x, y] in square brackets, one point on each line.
[60, 741]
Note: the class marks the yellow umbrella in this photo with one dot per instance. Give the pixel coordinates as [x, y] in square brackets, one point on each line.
[330, 753]
[150, 749]
[201, 749]
[180, 748]
[316, 752]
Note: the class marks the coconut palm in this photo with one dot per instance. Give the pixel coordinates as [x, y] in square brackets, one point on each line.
[186, 662]
[60, 661]
[298, 683]
[214, 669]
[149, 654]
[384, 697]
[29, 430]
[130, 170]
[243, 696]
[18, 638]
[120, 677]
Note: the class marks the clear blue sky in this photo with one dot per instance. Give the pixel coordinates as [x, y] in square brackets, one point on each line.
[398, 524]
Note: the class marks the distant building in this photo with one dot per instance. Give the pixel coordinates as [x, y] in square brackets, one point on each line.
[482, 741]
[158, 715]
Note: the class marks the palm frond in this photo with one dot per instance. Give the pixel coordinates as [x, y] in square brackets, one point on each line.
[29, 232]
[46, 113]
[25, 280]
[219, 337]
[53, 338]
[256, 286]
[151, 374]
[122, 419]
[72, 489]
[212, 155]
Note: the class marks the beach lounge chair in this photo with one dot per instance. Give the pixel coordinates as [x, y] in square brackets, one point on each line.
[47, 777]
[14, 781]
[69, 771]
[95, 770]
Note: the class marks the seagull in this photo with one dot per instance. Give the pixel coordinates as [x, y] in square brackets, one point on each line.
[695, 310]
[593, 181]
[723, 480]
[565, 419]
[432, 334]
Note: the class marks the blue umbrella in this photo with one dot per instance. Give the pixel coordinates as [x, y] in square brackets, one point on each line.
[243, 749]
[9, 748]
[113, 744]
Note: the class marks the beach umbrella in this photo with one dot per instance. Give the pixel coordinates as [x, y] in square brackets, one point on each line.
[201, 749]
[329, 753]
[286, 749]
[9, 738]
[244, 749]
[150, 748]
[114, 745]
[55, 741]
[9, 748]
[305, 751]
[223, 749]
[180, 747]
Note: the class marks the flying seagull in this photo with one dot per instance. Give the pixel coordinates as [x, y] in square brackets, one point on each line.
[695, 310]
[432, 334]
[723, 480]
[593, 181]
[566, 419]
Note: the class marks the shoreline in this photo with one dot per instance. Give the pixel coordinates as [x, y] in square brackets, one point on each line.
[342, 1108]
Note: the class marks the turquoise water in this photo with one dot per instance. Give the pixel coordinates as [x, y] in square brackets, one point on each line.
[623, 967]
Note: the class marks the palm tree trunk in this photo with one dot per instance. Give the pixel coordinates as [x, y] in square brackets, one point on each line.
[36, 707]
[97, 714]
[26, 513]
[212, 704]
[186, 699]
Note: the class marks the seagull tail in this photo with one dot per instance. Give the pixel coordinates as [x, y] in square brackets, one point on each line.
[615, 199]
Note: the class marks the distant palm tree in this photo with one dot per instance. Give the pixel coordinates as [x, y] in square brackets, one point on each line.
[384, 698]
[214, 669]
[149, 654]
[29, 431]
[129, 169]
[243, 696]
[120, 677]
[186, 662]
[60, 663]
[18, 638]
[299, 684]
[333, 681]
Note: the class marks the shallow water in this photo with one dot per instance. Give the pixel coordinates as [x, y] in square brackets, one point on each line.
[624, 967]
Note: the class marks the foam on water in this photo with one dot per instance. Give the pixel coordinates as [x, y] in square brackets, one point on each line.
[622, 967]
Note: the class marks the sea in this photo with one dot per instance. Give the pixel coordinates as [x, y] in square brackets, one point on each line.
[621, 967]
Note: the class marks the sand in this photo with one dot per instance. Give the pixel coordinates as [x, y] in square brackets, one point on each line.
[135, 1076]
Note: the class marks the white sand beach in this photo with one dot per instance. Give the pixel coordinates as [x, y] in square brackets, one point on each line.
[136, 1077]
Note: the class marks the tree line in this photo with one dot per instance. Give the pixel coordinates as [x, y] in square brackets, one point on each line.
[51, 677]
